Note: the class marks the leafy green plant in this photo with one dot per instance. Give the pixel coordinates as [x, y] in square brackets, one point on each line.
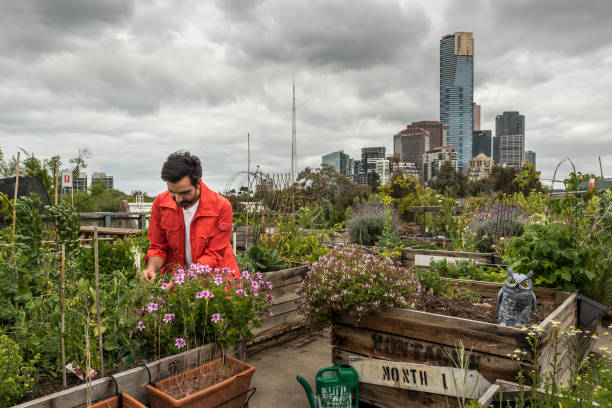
[261, 259]
[466, 269]
[15, 375]
[349, 279]
[555, 255]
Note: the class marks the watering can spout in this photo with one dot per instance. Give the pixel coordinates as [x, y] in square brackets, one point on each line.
[311, 397]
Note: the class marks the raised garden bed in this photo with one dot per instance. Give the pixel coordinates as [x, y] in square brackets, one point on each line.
[422, 257]
[411, 336]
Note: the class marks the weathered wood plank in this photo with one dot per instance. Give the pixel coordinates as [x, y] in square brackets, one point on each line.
[131, 381]
[286, 276]
[277, 325]
[488, 396]
[381, 345]
[444, 330]
[285, 293]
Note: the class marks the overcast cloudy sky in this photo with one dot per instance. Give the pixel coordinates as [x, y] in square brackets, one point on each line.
[137, 80]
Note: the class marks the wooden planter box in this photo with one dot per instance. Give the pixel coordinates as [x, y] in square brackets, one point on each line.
[411, 336]
[287, 322]
[422, 257]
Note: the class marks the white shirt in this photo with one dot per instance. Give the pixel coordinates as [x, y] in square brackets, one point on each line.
[188, 214]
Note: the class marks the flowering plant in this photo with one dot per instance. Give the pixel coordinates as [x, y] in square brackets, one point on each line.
[349, 279]
[204, 305]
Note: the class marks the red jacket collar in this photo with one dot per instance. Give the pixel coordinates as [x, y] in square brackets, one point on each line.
[208, 201]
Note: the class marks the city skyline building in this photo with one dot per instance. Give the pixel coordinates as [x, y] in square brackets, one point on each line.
[457, 92]
[338, 160]
[101, 178]
[509, 146]
[436, 129]
[480, 167]
[482, 142]
[410, 145]
[368, 165]
[433, 159]
[530, 157]
[475, 118]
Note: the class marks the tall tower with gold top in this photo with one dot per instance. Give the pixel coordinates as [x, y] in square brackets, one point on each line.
[457, 92]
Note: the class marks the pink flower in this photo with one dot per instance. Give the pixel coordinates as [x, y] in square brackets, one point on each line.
[152, 307]
[168, 317]
[216, 318]
[270, 313]
[179, 279]
[269, 285]
[179, 342]
[140, 326]
[218, 280]
[207, 294]
[246, 274]
[270, 297]
[164, 285]
[255, 292]
[255, 284]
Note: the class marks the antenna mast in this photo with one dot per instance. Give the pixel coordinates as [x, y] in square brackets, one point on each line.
[293, 142]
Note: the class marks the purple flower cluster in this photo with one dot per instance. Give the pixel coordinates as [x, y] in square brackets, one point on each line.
[502, 216]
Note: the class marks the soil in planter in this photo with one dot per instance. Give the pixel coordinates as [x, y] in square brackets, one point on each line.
[483, 309]
[214, 374]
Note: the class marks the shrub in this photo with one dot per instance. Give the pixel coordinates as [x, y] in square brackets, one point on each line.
[494, 221]
[349, 279]
[15, 375]
[366, 230]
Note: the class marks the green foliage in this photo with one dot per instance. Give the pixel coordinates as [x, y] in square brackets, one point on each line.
[431, 282]
[66, 227]
[319, 216]
[450, 182]
[15, 374]
[349, 279]
[488, 233]
[261, 259]
[366, 230]
[556, 256]
[115, 256]
[389, 238]
[465, 269]
[293, 245]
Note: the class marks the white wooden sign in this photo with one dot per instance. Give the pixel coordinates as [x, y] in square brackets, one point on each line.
[66, 180]
[424, 260]
[420, 377]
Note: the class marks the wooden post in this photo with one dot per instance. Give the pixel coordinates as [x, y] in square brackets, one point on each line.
[56, 181]
[15, 195]
[63, 315]
[97, 273]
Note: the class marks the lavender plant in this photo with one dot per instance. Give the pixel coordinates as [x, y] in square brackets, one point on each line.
[495, 221]
[349, 279]
[367, 222]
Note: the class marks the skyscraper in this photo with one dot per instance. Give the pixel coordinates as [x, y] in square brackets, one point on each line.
[475, 118]
[457, 92]
[437, 132]
[482, 143]
[530, 157]
[368, 166]
[411, 144]
[338, 160]
[509, 146]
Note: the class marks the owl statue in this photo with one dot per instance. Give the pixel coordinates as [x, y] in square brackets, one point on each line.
[516, 300]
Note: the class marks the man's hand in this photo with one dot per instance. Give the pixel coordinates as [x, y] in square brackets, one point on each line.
[149, 274]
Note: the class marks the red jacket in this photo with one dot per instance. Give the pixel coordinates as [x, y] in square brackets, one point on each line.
[211, 229]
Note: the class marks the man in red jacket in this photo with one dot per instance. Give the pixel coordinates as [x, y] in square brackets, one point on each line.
[190, 223]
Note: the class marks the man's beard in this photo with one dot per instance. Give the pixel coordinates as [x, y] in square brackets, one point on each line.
[184, 204]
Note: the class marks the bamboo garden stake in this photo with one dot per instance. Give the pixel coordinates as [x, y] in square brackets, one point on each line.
[63, 316]
[97, 272]
[15, 195]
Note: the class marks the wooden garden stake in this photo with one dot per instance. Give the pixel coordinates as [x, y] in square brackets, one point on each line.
[97, 272]
[63, 316]
[15, 196]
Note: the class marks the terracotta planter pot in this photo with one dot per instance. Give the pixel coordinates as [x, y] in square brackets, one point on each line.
[113, 402]
[208, 397]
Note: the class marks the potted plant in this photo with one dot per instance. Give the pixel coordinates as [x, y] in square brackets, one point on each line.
[204, 306]
[119, 401]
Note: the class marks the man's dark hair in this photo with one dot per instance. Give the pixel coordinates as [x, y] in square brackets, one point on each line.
[181, 164]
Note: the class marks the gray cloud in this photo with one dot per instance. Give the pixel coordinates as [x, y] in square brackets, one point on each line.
[138, 80]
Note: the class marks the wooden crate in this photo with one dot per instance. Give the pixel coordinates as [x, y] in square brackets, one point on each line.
[422, 257]
[287, 321]
[412, 336]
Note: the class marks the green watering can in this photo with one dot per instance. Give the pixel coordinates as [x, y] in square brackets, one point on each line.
[334, 387]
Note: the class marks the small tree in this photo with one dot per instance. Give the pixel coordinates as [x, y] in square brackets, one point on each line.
[450, 182]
